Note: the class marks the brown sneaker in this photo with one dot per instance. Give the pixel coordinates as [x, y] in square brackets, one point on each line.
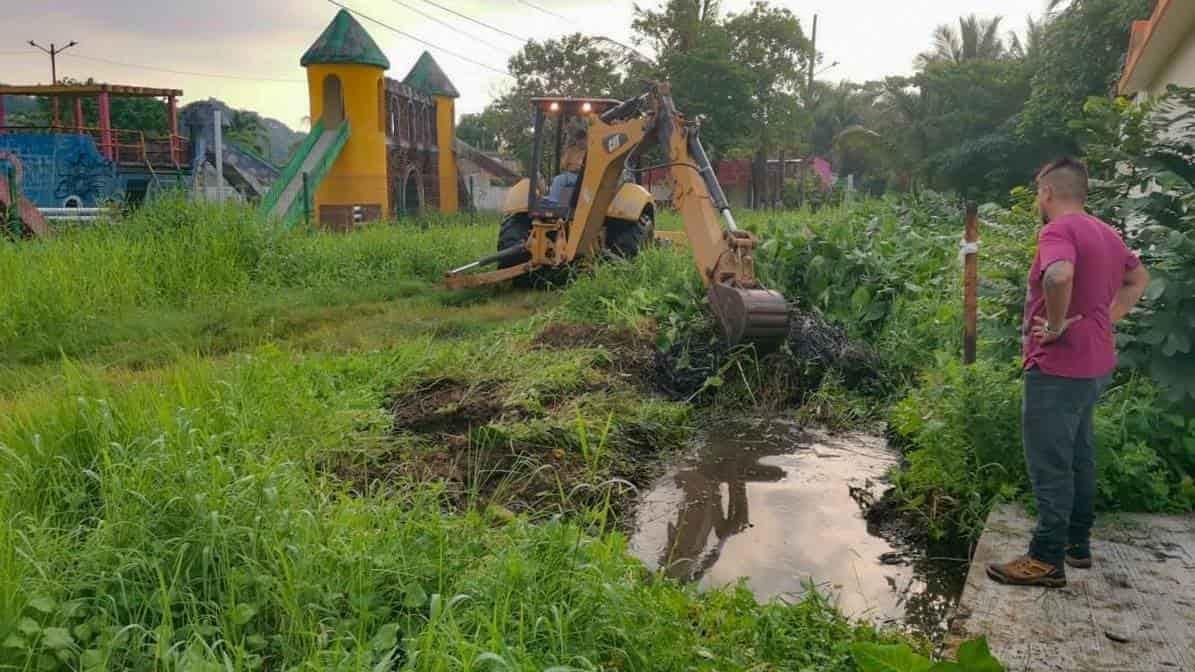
[1027, 571]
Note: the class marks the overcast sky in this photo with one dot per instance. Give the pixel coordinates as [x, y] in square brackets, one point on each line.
[261, 41]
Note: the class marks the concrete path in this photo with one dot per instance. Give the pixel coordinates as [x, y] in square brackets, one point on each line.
[1134, 611]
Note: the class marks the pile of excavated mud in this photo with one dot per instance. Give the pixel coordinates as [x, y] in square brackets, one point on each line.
[472, 439]
[813, 347]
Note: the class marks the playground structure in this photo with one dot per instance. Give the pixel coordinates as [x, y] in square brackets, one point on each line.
[378, 147]
[87, 163]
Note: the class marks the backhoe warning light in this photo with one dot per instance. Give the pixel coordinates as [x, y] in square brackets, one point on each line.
[555, 107]
[586, 107]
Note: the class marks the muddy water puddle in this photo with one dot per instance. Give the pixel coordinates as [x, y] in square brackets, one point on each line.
[779, 506]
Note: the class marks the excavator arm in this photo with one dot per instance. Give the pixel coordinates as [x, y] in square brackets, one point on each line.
[724, 253]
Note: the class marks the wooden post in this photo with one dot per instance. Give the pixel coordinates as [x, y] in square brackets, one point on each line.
[780, 182]
[970, 283]
[172, 121]
[79, 114]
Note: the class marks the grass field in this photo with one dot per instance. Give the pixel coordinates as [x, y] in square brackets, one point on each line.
[227, 447]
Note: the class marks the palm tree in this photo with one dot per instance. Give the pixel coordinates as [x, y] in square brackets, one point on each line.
[974, 39]
[1035, 30]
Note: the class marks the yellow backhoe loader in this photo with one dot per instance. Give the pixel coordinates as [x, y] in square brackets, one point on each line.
[597, 209]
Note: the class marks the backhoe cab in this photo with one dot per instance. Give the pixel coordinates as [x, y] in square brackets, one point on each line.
[587, 206]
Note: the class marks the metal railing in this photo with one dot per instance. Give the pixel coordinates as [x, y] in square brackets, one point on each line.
[125, 146]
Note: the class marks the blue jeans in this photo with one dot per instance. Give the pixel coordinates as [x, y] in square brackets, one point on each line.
[1059, 437]
[559, 184]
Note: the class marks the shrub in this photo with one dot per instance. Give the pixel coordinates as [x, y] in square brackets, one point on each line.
[963, 427]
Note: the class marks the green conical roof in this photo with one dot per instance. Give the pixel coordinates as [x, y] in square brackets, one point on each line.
[427, 77]
[345, 41]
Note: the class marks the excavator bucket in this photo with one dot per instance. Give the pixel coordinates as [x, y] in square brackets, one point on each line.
[754, 316]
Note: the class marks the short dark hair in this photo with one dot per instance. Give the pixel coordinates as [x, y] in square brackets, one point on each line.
[1067, 176]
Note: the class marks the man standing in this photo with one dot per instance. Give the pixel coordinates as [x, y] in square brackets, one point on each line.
[1082, 282]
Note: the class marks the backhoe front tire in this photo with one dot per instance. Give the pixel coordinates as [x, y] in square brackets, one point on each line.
[515, 230]
[625, 239]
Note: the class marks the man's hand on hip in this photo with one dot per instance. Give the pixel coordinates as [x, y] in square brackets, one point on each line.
[1045, 334]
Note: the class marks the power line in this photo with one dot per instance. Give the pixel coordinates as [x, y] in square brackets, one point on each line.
[450, 26]
[549, 12]
[186, 72]
[421, 41]
[478, 22]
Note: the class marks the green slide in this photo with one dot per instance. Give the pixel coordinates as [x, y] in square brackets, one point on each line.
[314, 158]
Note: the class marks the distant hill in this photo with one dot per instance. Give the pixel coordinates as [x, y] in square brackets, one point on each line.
[280, 139]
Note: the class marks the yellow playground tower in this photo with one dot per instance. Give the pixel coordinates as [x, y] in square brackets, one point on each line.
[346, 81]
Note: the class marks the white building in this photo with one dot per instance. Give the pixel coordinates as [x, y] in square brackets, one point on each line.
[1161, 50]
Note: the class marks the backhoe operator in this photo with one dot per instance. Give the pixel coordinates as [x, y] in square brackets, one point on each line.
[571, 160]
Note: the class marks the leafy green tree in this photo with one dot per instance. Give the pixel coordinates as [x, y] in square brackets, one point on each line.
[677, 27]
[692, 47]
[481, 130]
[135, 114]
[970, 128]
[573, 65]
[1081, 51]
[769, 45]
[902, 123]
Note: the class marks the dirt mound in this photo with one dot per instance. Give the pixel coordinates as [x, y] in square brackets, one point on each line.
[447, 406]
[558, 335]
[631, 351]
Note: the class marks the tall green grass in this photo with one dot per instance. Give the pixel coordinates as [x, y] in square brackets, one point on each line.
[186, 523]
[55, 293]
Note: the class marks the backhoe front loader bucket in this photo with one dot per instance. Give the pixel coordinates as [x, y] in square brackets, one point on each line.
[460, 278]
[754, 316]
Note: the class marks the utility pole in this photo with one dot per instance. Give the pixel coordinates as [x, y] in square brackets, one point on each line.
[53, 51]
[809, 107]
[812, 58]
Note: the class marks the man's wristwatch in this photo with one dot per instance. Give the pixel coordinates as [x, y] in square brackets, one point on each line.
[1050, 331]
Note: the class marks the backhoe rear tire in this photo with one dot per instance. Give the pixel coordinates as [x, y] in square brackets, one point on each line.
[625, 239]
[515, 230]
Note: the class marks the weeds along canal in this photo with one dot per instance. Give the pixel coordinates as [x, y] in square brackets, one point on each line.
[783, 508]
